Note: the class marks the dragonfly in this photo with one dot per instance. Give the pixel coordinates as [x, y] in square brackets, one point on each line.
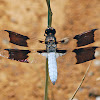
[83, 54]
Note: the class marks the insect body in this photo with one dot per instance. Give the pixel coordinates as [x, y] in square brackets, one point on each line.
[52, 53]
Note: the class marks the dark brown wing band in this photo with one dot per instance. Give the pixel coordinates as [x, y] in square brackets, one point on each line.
[19, 55]
[61, 51]
[85, 38]
[17, 39]
[42, 51]
[85, 54]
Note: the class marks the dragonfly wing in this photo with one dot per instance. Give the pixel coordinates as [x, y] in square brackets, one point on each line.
[15, 54]
[85, 38]
[85, 54]
[26, 56]
[22, 51]
[17, 39]
[52, 67]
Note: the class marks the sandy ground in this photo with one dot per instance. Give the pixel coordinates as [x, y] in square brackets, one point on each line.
[20, 81]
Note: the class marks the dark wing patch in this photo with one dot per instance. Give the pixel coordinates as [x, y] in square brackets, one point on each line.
[42, 51]
[58, 51]
[85, 38]
[85, 54]
[17, 39]
[41, 41]
[19, 55]
[61, 51]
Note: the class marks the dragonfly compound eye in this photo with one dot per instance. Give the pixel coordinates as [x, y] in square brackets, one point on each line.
[53, 31]
[50, 30]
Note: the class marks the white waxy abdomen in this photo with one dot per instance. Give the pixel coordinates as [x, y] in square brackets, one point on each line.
[52, 66]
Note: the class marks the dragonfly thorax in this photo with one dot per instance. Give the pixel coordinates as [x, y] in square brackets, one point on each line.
[51, 45]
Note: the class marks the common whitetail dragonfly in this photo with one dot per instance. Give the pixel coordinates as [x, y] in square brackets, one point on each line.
[83, 54]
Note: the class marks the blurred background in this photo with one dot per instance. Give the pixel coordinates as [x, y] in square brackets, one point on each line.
[21, 81]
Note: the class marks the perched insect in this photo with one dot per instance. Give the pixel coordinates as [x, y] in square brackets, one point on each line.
[52, 52]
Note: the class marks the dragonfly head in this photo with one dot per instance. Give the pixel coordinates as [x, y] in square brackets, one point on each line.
[50, 31]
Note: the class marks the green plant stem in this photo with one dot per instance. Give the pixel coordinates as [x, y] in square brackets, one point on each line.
[49, 25]
[49, 13]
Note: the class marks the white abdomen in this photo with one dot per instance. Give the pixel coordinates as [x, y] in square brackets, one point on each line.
[52, 67]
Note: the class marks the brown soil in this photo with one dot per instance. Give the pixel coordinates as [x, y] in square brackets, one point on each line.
[20, 81]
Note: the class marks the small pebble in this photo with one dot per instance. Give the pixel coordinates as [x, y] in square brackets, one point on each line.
[97, 53]
[98, 79]
[98, 98]
[90, 73]
[97, 62]
[94, 92]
